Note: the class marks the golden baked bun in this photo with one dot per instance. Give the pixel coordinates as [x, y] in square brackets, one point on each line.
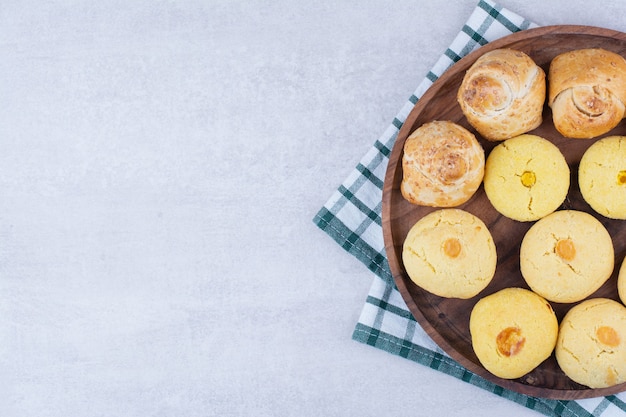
[587, 92]
[502, 94]
[443, 165]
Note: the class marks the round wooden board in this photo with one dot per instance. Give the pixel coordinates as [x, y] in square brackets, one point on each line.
[447, 320]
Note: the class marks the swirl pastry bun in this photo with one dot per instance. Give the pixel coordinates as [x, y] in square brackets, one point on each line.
[502, 94]
[443, 165]
[587, 92]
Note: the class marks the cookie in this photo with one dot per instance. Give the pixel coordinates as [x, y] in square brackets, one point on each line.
[442, 165]
[602, 177]
[566, 256]
[591, 346]
[621, 282]
[513, 331]
[450, 253]
[526, 178]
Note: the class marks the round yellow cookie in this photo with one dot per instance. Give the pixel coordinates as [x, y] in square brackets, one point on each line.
[621, 282]
[591, 346]
[526, 178]
[450, 253]
[602, 177]
[513, 331]
[566, 256]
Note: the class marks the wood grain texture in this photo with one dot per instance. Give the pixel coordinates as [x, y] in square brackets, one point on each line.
[447, 320]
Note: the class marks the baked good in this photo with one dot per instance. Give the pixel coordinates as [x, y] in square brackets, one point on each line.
[566, 256]
[502, 94]
[591, 346]
[450, 253]
[442, 166]
[602, 176]
[587, 92]
[513, 331]
[526, 177]
[621, 282]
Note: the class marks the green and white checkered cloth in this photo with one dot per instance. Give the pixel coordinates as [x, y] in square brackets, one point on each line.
[352, 217]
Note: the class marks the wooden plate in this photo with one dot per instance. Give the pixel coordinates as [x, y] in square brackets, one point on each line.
[447, 320]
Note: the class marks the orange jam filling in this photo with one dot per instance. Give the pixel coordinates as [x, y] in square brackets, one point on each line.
[452, 247]
[565, 249]
[608, 336]
[528, 179]
[510, 341]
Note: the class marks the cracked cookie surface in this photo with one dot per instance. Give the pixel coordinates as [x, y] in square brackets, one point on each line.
[602, 177]
[513, 331]
[450, 253]
[526, 178]
[591, 346]
[566, 256]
